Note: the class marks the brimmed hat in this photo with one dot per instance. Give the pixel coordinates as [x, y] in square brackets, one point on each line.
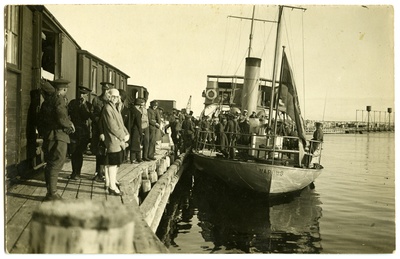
[60, 83]
[153, 103]
[47, 87]
[106, 85]
[318, 123]
[84, 90]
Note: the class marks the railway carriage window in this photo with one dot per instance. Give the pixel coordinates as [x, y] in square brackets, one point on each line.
[110, 76]
[12, 34]
[94, 79]
[48, 51]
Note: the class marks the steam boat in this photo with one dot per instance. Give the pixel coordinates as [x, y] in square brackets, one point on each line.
[272, 154]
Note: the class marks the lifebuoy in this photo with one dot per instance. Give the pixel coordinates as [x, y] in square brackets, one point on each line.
[211, 94]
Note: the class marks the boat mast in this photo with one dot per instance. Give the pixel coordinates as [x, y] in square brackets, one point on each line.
[251, 31]
[277, 43]
[274, 72]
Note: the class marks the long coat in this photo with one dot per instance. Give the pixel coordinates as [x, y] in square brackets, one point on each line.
[98, 103]
[135, 129]
[113, 128]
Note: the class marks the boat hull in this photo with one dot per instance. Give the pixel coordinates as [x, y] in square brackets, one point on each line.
[258, 177]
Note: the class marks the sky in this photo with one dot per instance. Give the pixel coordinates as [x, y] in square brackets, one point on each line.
[342, 56]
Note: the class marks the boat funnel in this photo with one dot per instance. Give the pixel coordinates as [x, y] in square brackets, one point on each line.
[250, 86]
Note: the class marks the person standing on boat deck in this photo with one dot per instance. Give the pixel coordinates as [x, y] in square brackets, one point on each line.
[244, 116]
[79, 112]
[58, 126]
[231, 130]
[318, 136]
[98, 103]
[205, 131]
[253, 115]
[115, 135]
[315, 147]
[154, 122]
[222, 139]
[136, 132]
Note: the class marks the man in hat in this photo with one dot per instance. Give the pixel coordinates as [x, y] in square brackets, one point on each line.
[125, 111]
[135, 131]
[97, 105]
[232, 129]
[79, 112]
[154, 122]
[188, 130]
[56, 137]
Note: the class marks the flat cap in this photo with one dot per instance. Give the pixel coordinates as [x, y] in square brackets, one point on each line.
[153, 103]
[84, 90]
[139, 101]
[61, 83]
[106, 85]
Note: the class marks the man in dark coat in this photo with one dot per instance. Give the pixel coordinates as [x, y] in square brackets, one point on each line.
[124, 109]
[79, 112]
[56, 127]
[135, 131]
[232, 129]
[188, 129]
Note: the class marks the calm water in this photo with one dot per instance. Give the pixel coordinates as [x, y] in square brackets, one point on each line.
[351, 210]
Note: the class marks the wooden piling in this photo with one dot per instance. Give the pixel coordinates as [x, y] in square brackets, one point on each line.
[82, 227]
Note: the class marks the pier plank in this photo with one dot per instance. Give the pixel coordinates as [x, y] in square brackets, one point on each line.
[24, 197]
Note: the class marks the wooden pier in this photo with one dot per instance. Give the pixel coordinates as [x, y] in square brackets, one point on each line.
[24, 199]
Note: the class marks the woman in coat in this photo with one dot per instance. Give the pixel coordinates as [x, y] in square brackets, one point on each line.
[115, 135]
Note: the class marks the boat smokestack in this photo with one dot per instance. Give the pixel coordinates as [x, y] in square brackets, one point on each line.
[250, 85]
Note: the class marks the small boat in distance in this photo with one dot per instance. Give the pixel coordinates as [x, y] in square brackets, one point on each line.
[270, 154]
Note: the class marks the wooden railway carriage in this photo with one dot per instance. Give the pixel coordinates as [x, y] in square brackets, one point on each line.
[39, 48]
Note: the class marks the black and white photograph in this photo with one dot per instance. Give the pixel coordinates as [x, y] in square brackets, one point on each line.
[221, 127]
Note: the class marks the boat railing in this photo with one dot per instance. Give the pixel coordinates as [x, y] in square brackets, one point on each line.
[265, 148]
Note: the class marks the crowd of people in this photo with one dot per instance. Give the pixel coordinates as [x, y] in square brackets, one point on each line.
[113, 130]
[120, 132]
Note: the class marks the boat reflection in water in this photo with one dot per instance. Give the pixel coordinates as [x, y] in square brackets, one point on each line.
[233, 221]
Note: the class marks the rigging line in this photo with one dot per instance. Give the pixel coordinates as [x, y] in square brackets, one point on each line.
[265, 46]
[326, 95]
[304, 74]
[226, 36]
[236, 48]
[243, 58]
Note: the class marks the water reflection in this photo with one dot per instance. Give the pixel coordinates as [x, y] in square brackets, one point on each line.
[239, 222]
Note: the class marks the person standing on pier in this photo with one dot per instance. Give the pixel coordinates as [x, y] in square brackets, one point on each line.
[188, 129]
[115, 135]
[98, 103]
[125, 111]
[57, 127]
[145, 132]
[79, 112]
[154, 121]
[136, 132]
